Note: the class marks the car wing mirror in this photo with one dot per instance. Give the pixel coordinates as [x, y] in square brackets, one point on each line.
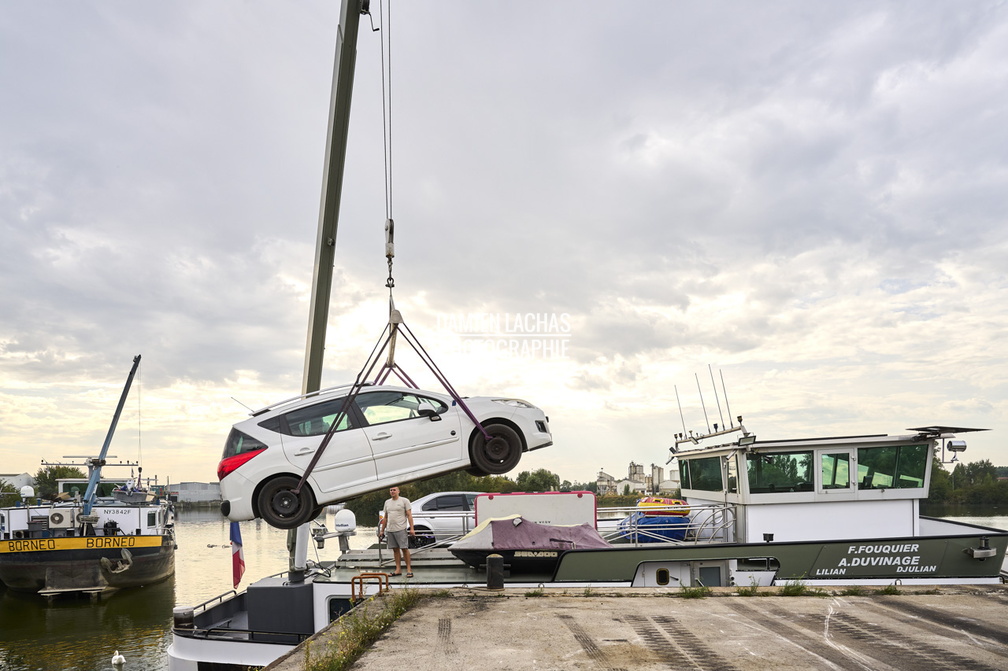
[427, 410]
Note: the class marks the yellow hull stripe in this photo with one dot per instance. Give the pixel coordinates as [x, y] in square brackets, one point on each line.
[79, 543]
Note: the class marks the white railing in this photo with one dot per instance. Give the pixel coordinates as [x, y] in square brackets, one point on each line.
[630, 525]
[667, 524]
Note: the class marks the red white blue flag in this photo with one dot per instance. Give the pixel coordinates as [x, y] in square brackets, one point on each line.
[237, 554]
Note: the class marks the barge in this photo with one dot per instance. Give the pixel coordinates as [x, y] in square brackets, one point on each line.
[88, 544]
[820, 511]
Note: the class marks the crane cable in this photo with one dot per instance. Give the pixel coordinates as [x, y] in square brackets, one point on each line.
[395, 318]
[385, 26]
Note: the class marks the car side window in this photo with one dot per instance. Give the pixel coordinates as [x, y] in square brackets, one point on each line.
[314, 420]
[380, 407]
[471, 501]
[451, 502]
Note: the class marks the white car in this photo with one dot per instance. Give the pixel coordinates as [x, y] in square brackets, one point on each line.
[388, 435]
[442, 516]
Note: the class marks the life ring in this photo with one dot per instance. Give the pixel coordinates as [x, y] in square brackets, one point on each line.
[658, 506]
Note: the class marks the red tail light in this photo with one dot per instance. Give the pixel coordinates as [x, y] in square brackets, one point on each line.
[230, 464]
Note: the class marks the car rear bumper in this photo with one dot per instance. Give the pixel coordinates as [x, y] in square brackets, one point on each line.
[235, 502]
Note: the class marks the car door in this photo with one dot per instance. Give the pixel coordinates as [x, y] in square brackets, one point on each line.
[463, 504]
[402, 440]
[346, 463]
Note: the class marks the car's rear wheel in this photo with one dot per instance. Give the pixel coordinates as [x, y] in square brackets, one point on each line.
[280, 507]
[500, 453]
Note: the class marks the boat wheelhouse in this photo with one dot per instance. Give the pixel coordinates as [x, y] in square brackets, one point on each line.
[813, 489]
[856, 497]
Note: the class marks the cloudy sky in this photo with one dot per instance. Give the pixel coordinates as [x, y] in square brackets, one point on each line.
[596, 204]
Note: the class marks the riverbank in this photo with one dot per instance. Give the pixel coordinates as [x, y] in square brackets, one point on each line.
[914, 629]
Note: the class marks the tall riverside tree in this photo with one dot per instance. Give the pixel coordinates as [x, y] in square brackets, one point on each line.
[539, 480]
[46, 477]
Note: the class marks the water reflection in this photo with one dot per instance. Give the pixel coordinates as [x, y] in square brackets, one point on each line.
[74, 634]
[982, 514]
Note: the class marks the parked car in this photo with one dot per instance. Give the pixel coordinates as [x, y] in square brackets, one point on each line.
[442, 516]
[388, 435]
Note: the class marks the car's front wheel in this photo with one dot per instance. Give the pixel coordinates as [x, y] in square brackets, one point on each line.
[500, 453]
[280, 507]
[423, 537]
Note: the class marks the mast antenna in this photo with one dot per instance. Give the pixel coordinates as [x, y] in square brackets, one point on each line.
[702, 404]
[716, 398]
[725, 391]
[679, 403]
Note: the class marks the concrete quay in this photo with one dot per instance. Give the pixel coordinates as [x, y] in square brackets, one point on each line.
[961, 627]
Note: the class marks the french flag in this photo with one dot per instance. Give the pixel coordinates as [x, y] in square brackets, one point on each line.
[237, 554]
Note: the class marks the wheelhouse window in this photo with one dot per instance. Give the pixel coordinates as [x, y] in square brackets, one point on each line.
[892, 467]
[732, 468]
[835, 469]
[380, 407]
[314, 420]
[780, 472]
[703, 474]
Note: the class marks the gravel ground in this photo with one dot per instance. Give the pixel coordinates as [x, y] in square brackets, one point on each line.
[917, 630]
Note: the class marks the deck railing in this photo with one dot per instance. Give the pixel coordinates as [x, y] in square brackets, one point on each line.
[629, 525]
[667, 524]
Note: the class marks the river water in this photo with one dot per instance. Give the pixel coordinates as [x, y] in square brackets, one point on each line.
[76, 635]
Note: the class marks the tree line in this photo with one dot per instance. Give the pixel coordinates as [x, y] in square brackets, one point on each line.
[973, 483]
[45, 484]
[366, 507]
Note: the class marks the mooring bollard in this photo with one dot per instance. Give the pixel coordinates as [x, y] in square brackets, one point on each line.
[495, 571]
[183, 617]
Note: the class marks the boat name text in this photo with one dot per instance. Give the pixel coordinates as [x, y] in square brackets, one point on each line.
[85, 543]
[866, 560]
[883, 549]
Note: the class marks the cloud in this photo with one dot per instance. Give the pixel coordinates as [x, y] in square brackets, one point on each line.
[810, 198]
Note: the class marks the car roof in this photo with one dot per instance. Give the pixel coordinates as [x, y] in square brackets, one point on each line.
[427, 497]
[323, 394]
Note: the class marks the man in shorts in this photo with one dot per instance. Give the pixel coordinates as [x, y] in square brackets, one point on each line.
[397, 518]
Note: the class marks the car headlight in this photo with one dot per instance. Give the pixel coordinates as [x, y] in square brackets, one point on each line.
[514, 403]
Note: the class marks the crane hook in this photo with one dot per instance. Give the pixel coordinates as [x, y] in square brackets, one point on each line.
[389, 249]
